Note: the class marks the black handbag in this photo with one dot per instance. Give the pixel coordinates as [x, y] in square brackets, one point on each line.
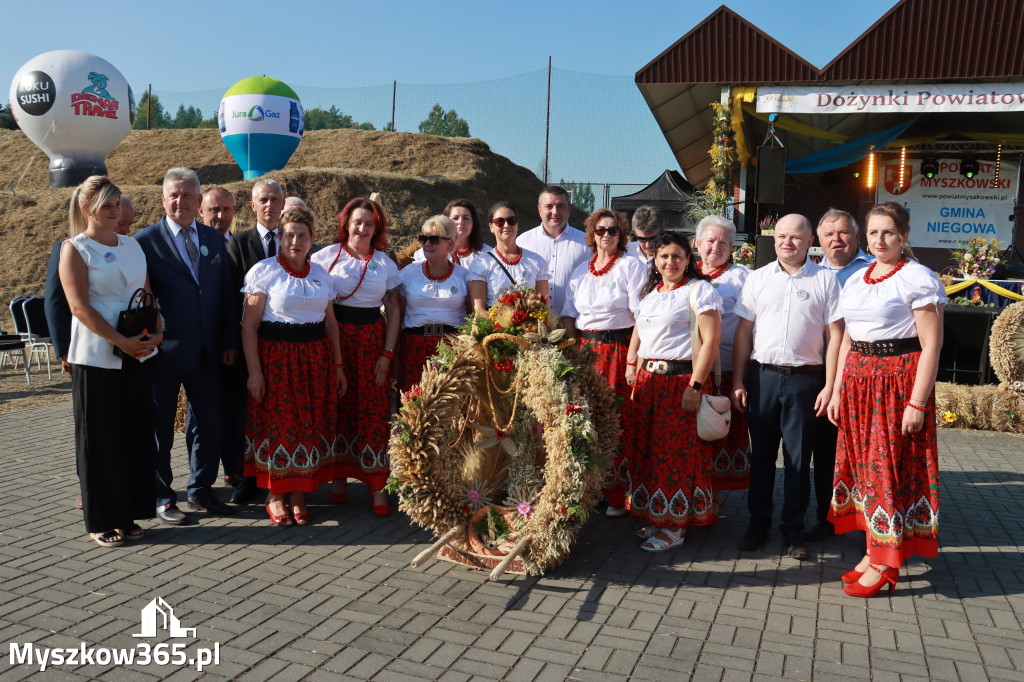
[141, 314]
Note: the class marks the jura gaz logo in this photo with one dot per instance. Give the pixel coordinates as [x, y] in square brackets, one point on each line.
[257, 113]
[158, 614]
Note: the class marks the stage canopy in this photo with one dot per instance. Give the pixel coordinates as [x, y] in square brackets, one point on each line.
[670, 192]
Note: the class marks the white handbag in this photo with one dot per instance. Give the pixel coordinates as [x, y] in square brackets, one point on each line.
[715, 412]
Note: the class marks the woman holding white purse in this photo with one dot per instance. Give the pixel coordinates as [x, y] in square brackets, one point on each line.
[669, 466]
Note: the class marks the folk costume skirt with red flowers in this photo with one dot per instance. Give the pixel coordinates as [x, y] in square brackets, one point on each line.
[885, 484]
[361, 445]
[610, 362]
[669, 467]
[288, 436]
[415, 349]
[730, 457]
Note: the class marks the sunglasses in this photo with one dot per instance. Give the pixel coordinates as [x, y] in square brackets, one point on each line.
[511, 221]
[610, 231]
[648, 239]
[434, 239]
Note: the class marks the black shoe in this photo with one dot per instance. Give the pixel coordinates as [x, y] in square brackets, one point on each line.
[820, 531]
[210, 504]
[754, 538]
[171, 515]
[245, 492]
[233, 480]
[793, 546]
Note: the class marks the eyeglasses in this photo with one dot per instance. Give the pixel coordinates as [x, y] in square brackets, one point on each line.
[511, 221]
[648, 239]
[610, 231]
[434, 239]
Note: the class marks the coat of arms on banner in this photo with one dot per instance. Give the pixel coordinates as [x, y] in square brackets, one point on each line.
[892, 178]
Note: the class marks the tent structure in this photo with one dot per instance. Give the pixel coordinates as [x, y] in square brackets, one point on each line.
[670, 194]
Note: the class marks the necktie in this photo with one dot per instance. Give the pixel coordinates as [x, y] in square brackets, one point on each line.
[191, 250]
[271, 245]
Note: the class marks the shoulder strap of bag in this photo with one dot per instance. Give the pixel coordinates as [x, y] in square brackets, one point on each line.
[695, 340]
[503, 268]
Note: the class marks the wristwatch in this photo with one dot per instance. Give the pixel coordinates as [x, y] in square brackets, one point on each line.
[695, 385]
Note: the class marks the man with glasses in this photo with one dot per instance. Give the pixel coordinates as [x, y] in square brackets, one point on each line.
[648, 224]
[555, 241]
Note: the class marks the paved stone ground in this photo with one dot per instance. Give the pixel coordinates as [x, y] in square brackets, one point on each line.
[338, 600]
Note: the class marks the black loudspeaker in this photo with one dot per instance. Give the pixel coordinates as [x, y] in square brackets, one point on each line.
[770, 183]
[764, 250]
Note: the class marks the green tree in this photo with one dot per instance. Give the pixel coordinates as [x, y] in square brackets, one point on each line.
[447, 125]
[582, 195]
[188, 118]
[158, 117]
[331, 119]
[7, 121]
[389, 127]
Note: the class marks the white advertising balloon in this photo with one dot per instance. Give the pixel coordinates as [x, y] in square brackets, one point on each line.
[74, 106]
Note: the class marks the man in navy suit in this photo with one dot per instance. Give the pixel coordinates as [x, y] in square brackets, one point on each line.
[191, 279]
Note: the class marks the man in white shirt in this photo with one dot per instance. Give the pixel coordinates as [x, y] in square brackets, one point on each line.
[839, 237]
[218, 210]
[648, 224]
[791, 328]
[554, 240]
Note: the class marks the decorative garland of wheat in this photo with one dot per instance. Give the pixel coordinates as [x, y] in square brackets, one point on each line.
[538, 447]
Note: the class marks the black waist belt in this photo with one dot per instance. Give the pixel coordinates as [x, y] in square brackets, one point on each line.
[607, 336]
[284, 331]
[431, 330]
[887, 346]
[347, 314]
[668, 367]
[800, 369]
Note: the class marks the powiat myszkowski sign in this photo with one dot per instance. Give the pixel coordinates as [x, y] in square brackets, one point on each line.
[916, 98]
[947, 210]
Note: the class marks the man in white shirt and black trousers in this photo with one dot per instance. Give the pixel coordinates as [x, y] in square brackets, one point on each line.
[562, 246]
[790, 327]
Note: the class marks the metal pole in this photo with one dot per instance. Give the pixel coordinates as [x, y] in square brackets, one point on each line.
[607, 199]
[394, 93]
[149, 105]
[547, 124]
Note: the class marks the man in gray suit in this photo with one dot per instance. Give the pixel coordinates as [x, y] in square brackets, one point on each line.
[191, 280]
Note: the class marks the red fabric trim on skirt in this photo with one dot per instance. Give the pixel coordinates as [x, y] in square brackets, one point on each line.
[288, 437]
[669, 467]
[361, 445]
[610, 362]
[414, 351]
[886, 484]
[730, 460]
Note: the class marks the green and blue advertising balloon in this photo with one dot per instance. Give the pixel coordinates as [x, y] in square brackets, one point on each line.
[261, 123]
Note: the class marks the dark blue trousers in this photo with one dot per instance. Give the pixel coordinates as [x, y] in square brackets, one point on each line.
[781, 407]
[235, 404]
[825, 438]
[204, 391]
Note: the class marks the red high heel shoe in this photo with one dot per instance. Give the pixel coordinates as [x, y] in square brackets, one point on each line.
[301, 518]
[339, 498]
[889, 575]
[851, 576]
[283, 520]
[380, 509]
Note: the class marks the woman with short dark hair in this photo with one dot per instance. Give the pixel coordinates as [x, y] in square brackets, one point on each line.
[293, 354]
[508, 265]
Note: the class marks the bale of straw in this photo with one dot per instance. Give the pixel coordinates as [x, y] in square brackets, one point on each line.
[986, 407]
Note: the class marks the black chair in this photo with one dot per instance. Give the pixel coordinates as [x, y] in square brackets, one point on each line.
[18, 315]
[38, 331]
[9, 343]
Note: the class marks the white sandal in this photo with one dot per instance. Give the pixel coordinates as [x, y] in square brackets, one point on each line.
[656, 544]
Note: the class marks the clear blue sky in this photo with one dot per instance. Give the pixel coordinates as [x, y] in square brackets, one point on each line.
[186, 46]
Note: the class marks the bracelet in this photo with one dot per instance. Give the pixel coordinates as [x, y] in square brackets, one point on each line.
[630, 364]
[922, 403]
[339, 366]
[388, 353]
[922, 409]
